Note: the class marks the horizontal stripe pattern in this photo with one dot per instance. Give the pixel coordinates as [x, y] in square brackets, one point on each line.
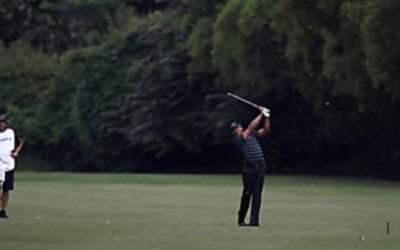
[250, 149]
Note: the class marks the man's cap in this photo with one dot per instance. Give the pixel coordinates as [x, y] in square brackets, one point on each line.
[235, 125]
[3, 118]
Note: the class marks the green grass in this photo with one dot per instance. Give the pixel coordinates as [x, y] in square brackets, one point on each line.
[173, 212]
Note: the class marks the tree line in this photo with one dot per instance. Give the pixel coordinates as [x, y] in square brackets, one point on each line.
[136, 85]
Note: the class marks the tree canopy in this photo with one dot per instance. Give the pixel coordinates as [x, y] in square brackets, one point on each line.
[139, 85]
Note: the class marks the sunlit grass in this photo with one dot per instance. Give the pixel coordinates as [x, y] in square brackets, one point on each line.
[128, 211]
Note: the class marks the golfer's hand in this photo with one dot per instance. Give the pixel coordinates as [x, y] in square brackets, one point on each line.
[264, 111]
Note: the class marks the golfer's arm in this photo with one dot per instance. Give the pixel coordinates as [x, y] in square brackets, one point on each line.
[252, 126]
[266, 129]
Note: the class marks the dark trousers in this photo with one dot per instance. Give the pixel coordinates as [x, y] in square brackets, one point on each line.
[253, 182]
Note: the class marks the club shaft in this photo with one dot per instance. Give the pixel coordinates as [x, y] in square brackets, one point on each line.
[243, 100]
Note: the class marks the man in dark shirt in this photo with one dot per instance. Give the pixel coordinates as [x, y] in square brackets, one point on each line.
[254, 166]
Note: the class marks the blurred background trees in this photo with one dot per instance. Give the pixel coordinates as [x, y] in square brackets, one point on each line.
[136, 85]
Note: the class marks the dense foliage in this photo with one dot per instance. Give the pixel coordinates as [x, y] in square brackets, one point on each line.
[139, 85]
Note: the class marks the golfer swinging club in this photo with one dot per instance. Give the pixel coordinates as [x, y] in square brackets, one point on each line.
[254, 166]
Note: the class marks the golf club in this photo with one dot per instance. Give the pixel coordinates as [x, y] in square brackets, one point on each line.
[265, 111]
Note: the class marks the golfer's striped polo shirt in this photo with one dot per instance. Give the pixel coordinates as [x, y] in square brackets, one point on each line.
[250, 149]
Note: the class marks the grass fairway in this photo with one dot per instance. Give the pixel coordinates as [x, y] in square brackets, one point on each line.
[178, 212]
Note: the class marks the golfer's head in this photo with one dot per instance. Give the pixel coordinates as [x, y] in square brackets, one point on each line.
[3, 122]
[236, 128]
